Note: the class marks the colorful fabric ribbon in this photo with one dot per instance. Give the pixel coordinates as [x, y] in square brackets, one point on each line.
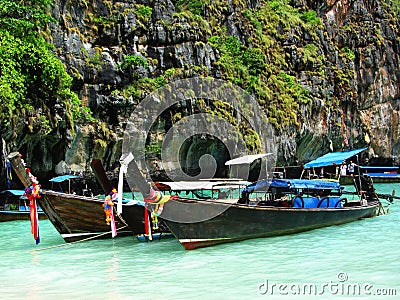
[109, 211]
[33, 192]
[157, 199]
[9, 176]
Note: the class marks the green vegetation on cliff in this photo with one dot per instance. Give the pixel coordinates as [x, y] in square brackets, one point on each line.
[33, 81]
[263, 66]
[259, 59]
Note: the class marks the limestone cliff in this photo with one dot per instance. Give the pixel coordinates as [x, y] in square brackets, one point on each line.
[322, 70]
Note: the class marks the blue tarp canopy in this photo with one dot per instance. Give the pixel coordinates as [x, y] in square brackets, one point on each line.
[316, 184]
[333, 158]
[14, 192]
[264, 184]
[63, 178]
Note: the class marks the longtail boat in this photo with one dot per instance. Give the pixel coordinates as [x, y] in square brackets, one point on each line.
[78, 217]
[286, 207]
[329, 164]
[15, 206]
[268, 207]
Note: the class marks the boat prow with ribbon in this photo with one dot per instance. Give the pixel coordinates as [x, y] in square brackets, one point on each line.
[78, 217]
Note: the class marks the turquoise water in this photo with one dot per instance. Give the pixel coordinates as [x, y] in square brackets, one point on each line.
[363, 254]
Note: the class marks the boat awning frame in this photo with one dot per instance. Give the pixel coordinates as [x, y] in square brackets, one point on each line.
[316, 184]
[203, 185]
[247, 159]
[333, 158]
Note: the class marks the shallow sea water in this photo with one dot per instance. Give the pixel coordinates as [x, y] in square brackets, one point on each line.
[351, 261]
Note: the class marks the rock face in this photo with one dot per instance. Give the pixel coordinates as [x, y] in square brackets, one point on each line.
[353, 84]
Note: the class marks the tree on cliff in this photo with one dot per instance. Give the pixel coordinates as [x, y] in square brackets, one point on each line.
[34, 86]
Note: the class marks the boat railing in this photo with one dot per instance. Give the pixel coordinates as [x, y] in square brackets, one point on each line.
[301, 197]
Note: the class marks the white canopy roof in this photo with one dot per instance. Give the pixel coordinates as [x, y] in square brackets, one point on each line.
[203, 185]
[247, 159]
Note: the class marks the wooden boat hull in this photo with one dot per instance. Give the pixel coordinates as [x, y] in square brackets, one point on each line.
[78, 217]
[240, 222]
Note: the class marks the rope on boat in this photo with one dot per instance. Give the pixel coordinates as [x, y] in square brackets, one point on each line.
[381, 210]
[121, 218]
[89, 238]
[83, 240]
